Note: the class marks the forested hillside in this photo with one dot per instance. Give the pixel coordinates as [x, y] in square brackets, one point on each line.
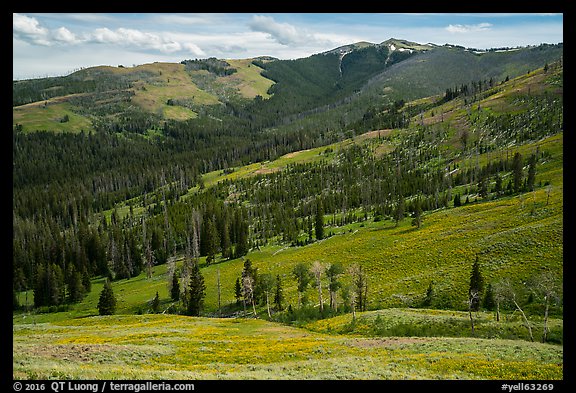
[432, 154]
[394, 200]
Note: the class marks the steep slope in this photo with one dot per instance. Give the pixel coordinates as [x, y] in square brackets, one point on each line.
[433, 71]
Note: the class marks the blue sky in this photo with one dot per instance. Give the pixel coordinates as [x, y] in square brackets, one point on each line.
[57, 44]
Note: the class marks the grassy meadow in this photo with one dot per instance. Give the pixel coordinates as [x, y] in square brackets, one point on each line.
[179, 347]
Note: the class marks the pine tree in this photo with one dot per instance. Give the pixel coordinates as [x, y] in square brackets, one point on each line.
[417, 214]
[489, 301]
[333, 271]
[76, 289]
[427, 302]
[211, 240]
[175, 290]
[457, 201]
[237, 290]
[107, 300]
[399, 211]
[531, 173]
[498, 185]
[319, 222]
[278, 294]
[517, 172]
[196, 291]
[155, 305]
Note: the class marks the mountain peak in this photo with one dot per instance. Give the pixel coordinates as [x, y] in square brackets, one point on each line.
[395, 43]
[350, 47]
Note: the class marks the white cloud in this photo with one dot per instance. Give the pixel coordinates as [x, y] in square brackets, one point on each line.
[29, 29]
[134, 38]
[468, 28]
[64, 35]
[283, 33]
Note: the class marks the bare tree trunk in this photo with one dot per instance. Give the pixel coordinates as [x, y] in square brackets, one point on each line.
[525, 320]
[471, 299]
[497, 311]
[471, 321]
[268, 305]
[218, 284]
[545, 333]
[316, 270]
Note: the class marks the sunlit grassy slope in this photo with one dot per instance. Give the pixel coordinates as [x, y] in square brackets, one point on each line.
[153, 86]
[514, 237]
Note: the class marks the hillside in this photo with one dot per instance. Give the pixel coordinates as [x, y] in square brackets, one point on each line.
[447, 242]
[163, 91]
[236, 174]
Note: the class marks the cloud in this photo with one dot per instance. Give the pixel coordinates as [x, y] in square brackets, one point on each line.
[134, 38]
[64, 35]
[468, 28]
[283, 33]
[30, 30]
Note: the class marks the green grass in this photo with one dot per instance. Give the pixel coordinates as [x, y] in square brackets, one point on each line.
[404, 322]
[49, 117]
[248, 79]
[168, 81]
[178, 347]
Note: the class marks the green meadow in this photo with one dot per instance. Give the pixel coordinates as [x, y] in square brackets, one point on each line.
[179, 347]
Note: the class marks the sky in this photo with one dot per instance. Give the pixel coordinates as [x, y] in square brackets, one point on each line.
[55, 44]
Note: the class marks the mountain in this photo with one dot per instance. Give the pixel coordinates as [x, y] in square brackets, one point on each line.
[153, 93]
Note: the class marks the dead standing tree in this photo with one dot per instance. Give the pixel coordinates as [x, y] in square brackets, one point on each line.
[508, 292]
[472, 300]
[547, 286]
[316, 271]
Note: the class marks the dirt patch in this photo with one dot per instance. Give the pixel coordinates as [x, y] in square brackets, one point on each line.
[295, 153]
[385, 342]
[265, 171]
[375, 134]
[71, 352]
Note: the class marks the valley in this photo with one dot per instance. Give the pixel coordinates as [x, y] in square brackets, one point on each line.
[236, 181]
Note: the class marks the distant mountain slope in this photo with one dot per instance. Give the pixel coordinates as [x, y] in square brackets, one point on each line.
[432, 72]
[264, 90]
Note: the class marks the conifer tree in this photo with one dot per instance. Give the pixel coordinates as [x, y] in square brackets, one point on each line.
[333, 271]
[427, 302]
[530, 180]
[175, 290]
[155, 304]
[278, 294]
[196, 291]
[237, 290]
[107, 300]
[417, 214]
[517, 172]
[399, 211]
[457, 201]
[319, 222]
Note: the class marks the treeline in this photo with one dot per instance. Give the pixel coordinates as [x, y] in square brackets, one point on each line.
[212, 64]
[91, 80]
